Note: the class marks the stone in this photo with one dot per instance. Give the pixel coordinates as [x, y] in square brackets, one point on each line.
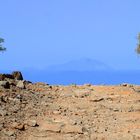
[9, 132]
[126, 85]
[4, 84]
[72, 129]
[32, 123]
[72, 113]
[97, 99]
[9, 76]
[3, 112]
[56, 112]
[21, 84]
[94, 136]
[1, 126]
[53, 127]
[18, 126]
[17, 75]
[14, 125]
[87, 85]
[136, 133]
[2, 77]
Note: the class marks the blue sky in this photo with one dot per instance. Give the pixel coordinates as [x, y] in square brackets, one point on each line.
[39, 33]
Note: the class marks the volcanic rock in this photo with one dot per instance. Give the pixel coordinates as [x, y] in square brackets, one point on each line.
[17, 75]
[4, 84]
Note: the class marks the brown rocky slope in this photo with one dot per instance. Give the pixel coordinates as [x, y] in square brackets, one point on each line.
[38, 111]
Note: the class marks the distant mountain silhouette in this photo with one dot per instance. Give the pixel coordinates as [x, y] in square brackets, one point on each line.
[84, 64]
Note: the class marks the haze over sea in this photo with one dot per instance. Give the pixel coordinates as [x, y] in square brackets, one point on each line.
[91, 77]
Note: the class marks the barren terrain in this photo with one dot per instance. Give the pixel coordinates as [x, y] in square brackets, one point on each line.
[38, 111]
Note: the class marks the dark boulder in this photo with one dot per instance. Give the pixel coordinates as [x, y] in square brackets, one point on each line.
[4, 84]
[2, 77]
[9, 76]
[17, 75]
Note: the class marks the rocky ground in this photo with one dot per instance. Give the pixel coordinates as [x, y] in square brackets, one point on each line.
[38, 111]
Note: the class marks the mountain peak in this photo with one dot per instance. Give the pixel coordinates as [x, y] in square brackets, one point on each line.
[83, 64]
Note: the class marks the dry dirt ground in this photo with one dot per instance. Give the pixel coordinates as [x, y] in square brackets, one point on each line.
[88, 112]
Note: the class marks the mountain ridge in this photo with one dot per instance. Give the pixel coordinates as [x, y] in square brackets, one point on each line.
[83, 64]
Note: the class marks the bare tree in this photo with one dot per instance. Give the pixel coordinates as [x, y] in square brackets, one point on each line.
[1, 46]
[138, 45]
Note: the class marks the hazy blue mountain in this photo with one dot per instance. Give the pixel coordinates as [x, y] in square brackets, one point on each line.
[84, 64]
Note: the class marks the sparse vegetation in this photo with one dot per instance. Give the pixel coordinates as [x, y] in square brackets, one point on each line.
[1, 46]
[138, 45]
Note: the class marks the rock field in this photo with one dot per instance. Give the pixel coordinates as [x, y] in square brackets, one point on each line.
[38, 111]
